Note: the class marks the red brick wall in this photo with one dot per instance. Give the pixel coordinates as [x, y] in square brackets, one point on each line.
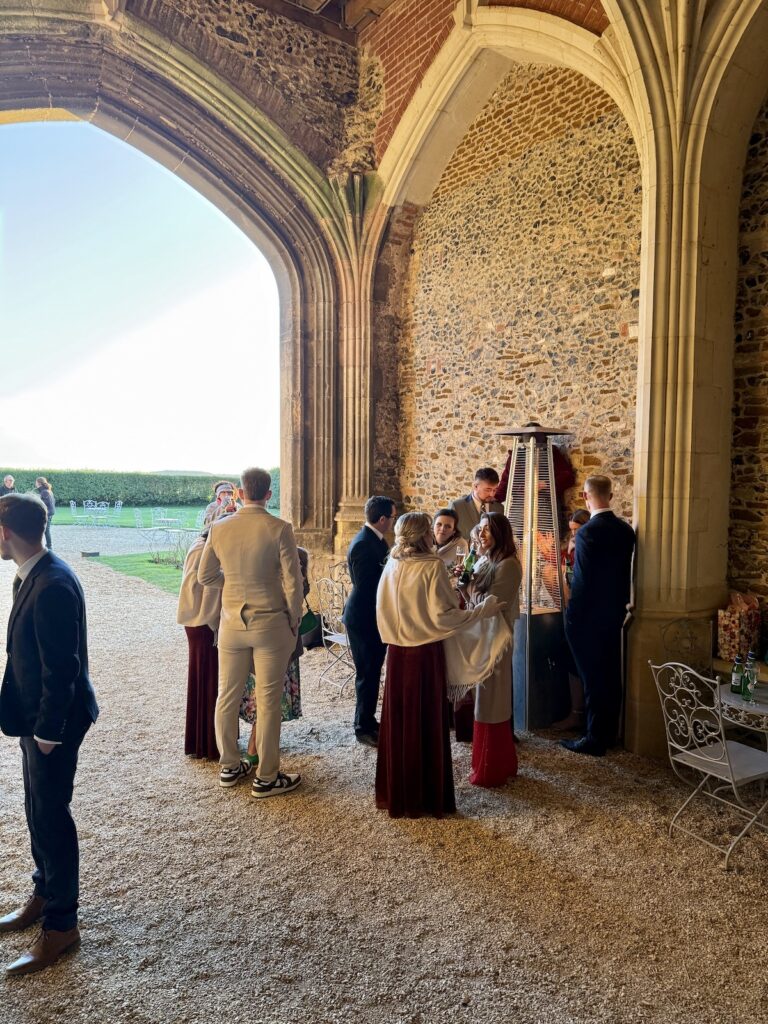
[587, 13]
[406, 39]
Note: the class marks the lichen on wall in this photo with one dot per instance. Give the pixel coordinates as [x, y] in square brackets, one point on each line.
[522, 293]
[748, 540]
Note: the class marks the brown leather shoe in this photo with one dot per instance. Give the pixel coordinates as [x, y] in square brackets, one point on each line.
[46, 951]
[18, 920]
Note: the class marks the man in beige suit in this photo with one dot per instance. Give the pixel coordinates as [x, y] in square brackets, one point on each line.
[253, 556]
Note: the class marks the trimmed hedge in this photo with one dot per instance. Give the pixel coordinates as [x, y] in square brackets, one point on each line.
[143, 489]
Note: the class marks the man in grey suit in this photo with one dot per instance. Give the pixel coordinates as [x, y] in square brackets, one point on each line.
[253, 556]
[479, 500]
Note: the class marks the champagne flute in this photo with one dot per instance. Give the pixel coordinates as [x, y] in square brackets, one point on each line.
[460, 555]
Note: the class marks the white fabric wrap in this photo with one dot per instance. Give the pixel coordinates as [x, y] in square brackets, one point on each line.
[416, 605]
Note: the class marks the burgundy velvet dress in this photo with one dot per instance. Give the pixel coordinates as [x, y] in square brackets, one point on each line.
[414, 773]
[202, 689]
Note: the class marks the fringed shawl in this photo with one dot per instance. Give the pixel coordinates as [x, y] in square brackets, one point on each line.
[416, 605]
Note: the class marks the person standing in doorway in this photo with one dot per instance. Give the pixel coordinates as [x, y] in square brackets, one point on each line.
[365, 558]
[600, 593]
[45, 491]
[253, 556]
[47, 700]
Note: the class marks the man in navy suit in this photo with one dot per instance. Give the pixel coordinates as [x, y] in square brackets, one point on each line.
[365, 558]
[600, 593]
[47, 700]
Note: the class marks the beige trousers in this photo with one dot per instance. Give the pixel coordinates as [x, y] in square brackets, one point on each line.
[266, 648]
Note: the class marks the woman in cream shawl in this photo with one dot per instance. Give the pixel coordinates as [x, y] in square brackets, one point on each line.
[431, 641]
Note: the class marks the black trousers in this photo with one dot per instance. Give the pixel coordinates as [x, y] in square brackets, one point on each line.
[48, 783]
[597, 653]
[368, 655]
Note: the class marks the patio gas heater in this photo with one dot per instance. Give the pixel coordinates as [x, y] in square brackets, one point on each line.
[540, 667]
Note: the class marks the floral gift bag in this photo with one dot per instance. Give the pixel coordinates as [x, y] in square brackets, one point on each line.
[738, 626]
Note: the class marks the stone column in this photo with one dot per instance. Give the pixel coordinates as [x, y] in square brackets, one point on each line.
[692, 145]
[354, 361]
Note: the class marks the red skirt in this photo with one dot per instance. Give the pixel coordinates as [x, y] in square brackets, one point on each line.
[494, 755]
[414, 773]
[202, 689]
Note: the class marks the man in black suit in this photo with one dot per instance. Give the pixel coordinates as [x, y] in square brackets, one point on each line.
[366, 556]
[600, 593]
[480, 499]
[47, 700]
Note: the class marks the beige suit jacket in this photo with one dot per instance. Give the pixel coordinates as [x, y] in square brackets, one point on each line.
[255, 554]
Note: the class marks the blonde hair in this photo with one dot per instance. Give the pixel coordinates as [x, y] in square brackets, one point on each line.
[600, 486]
[413, 535]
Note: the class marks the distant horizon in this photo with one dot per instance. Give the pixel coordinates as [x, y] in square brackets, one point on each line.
[148, 472]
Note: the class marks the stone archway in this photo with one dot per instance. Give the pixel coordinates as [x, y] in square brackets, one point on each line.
[177, 113]
[689, 83]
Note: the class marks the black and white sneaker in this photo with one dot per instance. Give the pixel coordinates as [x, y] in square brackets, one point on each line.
[282, 784]
[231, 776]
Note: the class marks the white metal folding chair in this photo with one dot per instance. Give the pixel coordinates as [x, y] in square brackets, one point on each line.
[698, 747]
[331, 596]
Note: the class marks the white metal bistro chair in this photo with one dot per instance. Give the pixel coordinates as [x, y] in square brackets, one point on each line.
[331, 596]
[77, 515]
[699, 750]
[339, 573]
[115, 513]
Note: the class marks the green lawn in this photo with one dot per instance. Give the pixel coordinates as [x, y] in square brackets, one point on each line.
[185, 514]
[166, 577]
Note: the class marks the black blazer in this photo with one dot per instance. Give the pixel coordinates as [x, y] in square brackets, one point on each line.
[365, 558]
[602, 573]
[46, 683]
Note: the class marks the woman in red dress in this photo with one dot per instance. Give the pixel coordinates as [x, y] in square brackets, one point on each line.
[494, 757]
[430, 640]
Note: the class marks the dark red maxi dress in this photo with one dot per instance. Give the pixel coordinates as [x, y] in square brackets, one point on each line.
[202, 689]
[414, 772]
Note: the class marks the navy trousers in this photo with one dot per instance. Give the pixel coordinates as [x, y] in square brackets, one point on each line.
[48, 784]
[597, 653]
[368, 655]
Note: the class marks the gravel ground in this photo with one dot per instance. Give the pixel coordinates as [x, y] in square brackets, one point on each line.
[556, 899]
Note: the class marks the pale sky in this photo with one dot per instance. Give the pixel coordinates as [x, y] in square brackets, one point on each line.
[138, 326]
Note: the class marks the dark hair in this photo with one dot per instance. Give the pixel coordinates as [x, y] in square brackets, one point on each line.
[42, 482]
[454, 515]
[503, 547]
[25, 515]
[503, 541]
[488, 475]
[377, 506]
[580, 516]
[255, 483]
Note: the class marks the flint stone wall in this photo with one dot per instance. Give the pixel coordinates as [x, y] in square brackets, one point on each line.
[304, 80]
[522, 292]
[748, 540]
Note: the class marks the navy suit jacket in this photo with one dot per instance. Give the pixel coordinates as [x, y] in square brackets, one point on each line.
[365, 558]
[46, 684]
[602, 573]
